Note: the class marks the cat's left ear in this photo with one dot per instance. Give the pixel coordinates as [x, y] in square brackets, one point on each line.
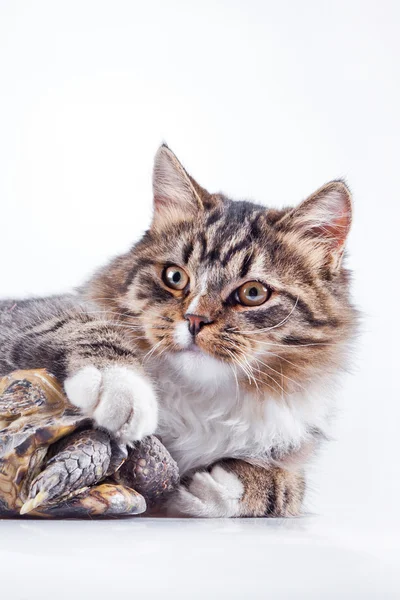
[325, 218]
[176, 194]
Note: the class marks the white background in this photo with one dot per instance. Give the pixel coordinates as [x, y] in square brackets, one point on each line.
[263, 100]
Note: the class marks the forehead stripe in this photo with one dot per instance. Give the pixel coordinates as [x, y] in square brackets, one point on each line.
[214, 217]
[237, 248]
[203, 243]
[246, 264]
[187, 252]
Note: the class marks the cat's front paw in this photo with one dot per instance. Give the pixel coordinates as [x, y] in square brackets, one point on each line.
[214, 494]
[116, 398]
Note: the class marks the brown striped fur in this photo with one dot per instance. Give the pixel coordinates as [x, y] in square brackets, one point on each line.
[273, 492]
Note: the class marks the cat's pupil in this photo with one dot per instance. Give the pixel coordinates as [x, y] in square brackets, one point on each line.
[176, 277]
[253, 292]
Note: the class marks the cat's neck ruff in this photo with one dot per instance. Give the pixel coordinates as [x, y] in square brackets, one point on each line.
[206, 416]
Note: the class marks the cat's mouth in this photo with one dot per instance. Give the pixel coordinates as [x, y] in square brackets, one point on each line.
[192, 348]
[187, 344]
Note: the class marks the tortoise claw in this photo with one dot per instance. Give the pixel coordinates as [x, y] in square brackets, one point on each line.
[33, 503]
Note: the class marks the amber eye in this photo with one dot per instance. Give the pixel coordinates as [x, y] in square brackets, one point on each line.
[175, 277]
[252, 293]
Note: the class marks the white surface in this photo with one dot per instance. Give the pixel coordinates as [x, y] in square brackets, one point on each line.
[309, 558]
[262, 99]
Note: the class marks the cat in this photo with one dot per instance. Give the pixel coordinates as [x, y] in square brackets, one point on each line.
[223, 330]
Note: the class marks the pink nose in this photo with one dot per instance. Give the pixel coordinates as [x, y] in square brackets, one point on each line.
[196, 322]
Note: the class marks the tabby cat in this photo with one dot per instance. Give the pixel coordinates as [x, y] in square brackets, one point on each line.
[223, 330]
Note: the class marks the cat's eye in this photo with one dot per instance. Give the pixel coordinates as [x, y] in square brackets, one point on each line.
[252, 293]
[175, 277]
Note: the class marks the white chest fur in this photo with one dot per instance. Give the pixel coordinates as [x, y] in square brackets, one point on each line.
[205, 417]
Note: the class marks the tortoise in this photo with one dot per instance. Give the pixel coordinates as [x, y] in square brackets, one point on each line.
[55, 463]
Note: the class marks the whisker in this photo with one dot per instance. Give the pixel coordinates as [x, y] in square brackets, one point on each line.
[280, 373]
[238, 363]
[262, 372]
[236, 379]
[238, 332]
[243, 354]
[264, 330]
[247, 369]
[250, 369]
[269, 367]
[285, 359]
[294, 345]
[152, 350]
[273, 379]
[166, 347]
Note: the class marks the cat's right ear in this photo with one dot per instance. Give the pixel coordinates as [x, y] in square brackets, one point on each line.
[175, 193]
[324, 220]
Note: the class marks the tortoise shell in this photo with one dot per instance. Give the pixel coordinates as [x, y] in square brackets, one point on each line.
[34, 416]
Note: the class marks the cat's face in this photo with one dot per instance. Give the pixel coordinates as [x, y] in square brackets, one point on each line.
[231, 288]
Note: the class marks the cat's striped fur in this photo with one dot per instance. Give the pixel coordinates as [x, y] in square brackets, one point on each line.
[247, 405]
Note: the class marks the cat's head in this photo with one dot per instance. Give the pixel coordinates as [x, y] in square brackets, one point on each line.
[228, 288]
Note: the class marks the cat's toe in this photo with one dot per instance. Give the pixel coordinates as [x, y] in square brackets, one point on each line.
[83, 388]
[217, 493]
[128, 405]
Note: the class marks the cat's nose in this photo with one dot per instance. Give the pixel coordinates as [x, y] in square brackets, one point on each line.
[196, 322]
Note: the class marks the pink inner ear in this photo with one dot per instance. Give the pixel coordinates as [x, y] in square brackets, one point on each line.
[328, 213]
[162, 201]
[335, 230]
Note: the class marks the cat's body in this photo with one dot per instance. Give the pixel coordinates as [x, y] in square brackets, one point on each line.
[236, 377]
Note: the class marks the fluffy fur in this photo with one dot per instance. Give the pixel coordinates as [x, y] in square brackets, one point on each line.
[241, 405]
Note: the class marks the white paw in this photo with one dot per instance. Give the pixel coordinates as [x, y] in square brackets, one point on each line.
[214, 494]
[117, 398]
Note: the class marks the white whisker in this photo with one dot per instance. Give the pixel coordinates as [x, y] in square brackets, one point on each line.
[152, 350]
[279, 373]
[264, 330]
